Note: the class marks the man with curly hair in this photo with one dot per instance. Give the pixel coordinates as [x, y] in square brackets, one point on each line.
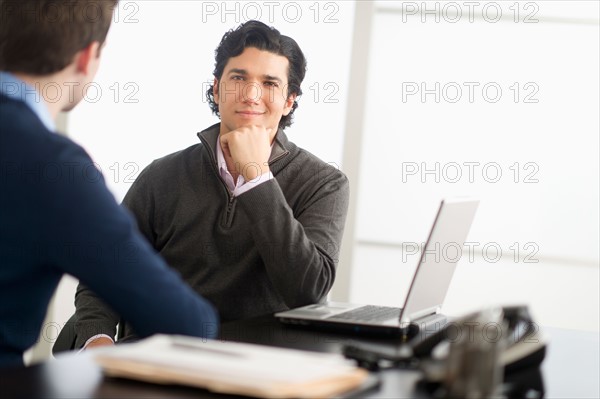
[251, 221]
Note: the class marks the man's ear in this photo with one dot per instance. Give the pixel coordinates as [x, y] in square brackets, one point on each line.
[289, 103]
[86, 56]
[216, 90]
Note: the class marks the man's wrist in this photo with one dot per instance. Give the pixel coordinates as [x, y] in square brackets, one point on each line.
[95, 337]
[249, 185]
[253, 172]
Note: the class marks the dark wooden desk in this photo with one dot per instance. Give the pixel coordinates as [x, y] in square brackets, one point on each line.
[571, 368]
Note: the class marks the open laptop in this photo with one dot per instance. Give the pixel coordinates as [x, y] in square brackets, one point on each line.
[426, 293]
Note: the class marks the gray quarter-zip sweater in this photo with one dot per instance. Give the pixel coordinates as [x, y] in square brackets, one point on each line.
[272, 248]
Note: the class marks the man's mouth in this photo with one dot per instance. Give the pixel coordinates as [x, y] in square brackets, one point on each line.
[250, 113]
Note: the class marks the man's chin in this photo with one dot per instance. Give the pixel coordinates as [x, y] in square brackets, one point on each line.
[240, 125]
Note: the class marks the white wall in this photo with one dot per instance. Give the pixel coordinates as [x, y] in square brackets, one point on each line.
[543, 210]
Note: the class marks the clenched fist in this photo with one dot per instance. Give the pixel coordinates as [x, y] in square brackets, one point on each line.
[249, 147]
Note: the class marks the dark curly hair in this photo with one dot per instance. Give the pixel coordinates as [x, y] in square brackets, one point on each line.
[258, 35]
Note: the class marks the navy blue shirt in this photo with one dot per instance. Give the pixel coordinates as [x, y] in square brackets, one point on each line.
[56, 217]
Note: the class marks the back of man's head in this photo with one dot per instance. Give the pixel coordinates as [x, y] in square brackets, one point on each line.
[41, 37]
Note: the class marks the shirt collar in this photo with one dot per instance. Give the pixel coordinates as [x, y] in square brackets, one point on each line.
[16, 89]
[221, 164]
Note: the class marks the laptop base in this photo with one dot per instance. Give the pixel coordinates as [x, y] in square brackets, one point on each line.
[426, 325]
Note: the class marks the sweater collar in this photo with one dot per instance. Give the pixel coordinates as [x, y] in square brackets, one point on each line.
[281, 147]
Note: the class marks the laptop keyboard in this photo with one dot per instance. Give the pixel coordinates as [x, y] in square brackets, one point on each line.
[368, 313]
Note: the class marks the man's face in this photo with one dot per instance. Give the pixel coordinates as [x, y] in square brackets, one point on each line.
[253, 91]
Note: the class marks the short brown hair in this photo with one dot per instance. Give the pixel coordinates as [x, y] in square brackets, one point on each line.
[41, 37]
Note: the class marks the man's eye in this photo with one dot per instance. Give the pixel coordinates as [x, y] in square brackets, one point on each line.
[271, 84]
[237, 77]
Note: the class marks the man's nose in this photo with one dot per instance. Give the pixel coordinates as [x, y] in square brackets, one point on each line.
[252, 93]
